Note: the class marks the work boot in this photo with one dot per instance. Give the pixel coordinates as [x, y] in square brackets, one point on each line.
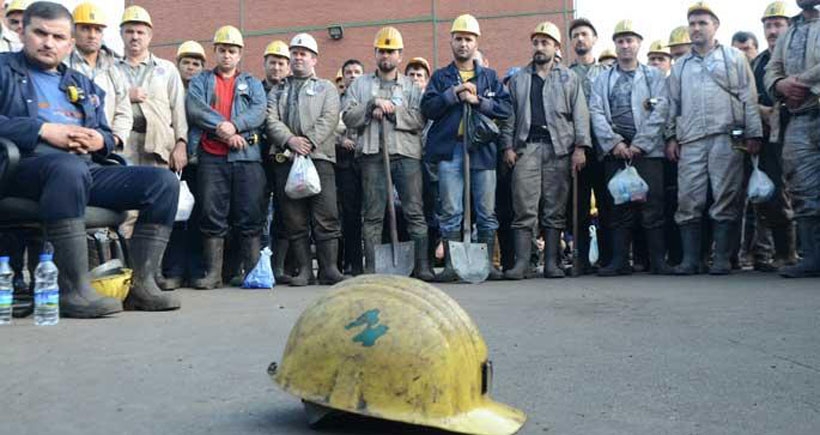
[784, 247]
[279, 273]
[809, 265]
[724, 235]
[301, 253]
[523, 251]
[77, 298]
[249, 248]
[690, 242]
[488, 238]
[328, 252]
[146, 248]
[422, 271]
[656, 244]
[552, 239]
[370, 254]
[449, 273]
[619, 264]
[213, 248]
[168, 283]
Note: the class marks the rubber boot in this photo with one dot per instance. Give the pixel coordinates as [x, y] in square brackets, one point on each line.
[328, 253]
[725, 237]
[619, 264]
[249, 248]
[146, 249]
[77, 298]
[523, 250]
[691, 243]
[552, 239]
[449, 273]
[809, 266]
[656, 244]
[168, 284]
[488, 238]
[784, 249]
[301, 253]
[422, 271]
[370, 254]
[279, 273]
[213, 248]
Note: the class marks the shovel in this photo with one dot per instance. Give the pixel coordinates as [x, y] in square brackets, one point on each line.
[395, 258]
[576, 256]
[471, 261]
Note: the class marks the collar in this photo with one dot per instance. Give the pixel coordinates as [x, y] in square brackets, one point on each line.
[20, 65]
[150, 60]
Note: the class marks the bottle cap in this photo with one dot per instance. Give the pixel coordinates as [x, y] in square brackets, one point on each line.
[46, 257]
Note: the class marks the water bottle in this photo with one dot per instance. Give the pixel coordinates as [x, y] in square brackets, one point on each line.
[6, 290]
[46, 292]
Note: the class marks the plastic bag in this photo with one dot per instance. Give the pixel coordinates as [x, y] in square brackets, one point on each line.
[593, 245]
[186, 201]
[261, 277]
[480, 129]
[761, 187]
[628, 186]
[303, 179]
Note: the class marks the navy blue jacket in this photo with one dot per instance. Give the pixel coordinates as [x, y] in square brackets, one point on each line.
[19, 105]
[441, 105]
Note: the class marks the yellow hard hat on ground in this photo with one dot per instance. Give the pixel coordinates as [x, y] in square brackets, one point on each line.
[17, 6]
[89, 13]
[397, 349]
[136, 14]
[277, 48]
[305, 40]
[608, 53]
[389, 38]
[467, 24]
[191, 49]
[775, 10]
[419, 61]
[548, 29]
[625, 27]
[701, 7]
[679, 36]
[229, 35]
[658, 47]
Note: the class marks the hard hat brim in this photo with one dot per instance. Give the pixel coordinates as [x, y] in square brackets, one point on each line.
[786, 17]
[636, 34]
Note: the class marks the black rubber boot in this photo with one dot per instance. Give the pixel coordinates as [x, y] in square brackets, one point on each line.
[77, 298]
[370, 255]
[249, 248]
[213, 248]
[449, 273]
[552, 241]
[279, 274]
[146, 248]
[488, 238]
[422, 271]
[784, 249]
[724, 235]
[523, 251]
[301, 253]
[809, 266]
[691, 244]
[656, 244]
[619, 264]
[168, 284]
[328, 254]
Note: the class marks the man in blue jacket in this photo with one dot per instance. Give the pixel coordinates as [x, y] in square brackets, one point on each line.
[226, 111]
[463, 82]
[56, 117]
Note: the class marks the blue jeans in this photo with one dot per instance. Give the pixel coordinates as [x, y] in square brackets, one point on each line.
[451, 193]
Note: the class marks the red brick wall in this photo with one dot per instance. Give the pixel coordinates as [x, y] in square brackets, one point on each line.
[505, 26]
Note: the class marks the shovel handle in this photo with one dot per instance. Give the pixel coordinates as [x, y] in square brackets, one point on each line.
[576, 256]
[466, 237]
[391, 205]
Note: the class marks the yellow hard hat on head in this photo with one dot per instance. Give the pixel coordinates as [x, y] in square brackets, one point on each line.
[679, 36]
[136, 14]
[701, 7]
[18, 6]
[389, 38]
[625, 27]
[608, 53]
[467, 24]
[190, 49]
[277, 48]
[397, 349]
[548, 29]
[658, 47]
[229, 35]
[89, 13]
[775, 10]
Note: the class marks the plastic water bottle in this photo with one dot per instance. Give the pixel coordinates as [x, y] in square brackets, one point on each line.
[46, 292]
[6, 290]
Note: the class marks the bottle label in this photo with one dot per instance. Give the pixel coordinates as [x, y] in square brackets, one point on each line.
[47, 298]
[5, 298]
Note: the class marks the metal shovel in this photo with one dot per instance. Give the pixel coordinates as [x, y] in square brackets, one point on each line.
[471, 261]
[395, 258]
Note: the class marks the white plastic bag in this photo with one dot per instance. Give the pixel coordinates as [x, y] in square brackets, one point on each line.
[628, 186]
[593, 245]
[761, 187]
[186, 201]
[303, 180]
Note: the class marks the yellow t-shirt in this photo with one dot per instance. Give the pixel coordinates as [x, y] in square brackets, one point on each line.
[466, 76]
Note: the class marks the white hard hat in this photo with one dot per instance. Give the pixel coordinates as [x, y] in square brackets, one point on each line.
[305, 40]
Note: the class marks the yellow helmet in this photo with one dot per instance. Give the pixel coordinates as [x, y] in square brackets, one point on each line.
[229, 35]
[136, 14]
[89, 13]
[419, 61]
[608, 53]
[548, 29]
[17, 6]
[389, 38]
[393, 348]
[775, 10]
[679, 36]
[191, 49]
[625, 27]
[658, 47]
[466, 23]
[277, 48]
[701, 7]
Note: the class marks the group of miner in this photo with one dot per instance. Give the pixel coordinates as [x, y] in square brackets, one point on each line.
[691, 121]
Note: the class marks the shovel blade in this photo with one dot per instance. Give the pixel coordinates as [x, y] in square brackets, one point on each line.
[404, 262]
[471, 261]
